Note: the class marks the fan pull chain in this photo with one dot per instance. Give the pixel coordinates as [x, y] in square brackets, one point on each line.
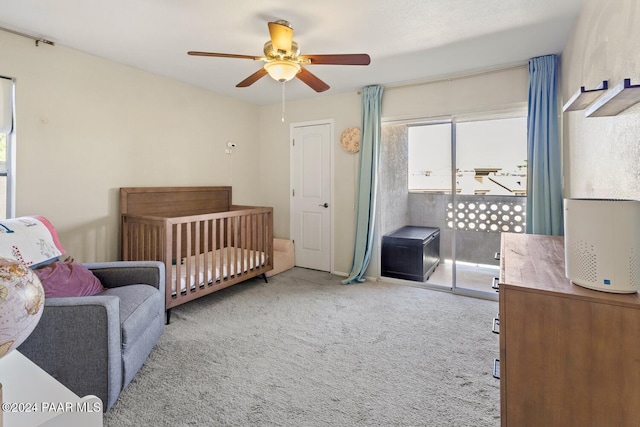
[283, 102]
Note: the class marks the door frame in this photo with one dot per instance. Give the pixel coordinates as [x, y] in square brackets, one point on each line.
[331, 124]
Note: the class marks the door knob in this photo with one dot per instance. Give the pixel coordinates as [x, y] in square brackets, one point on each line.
[325, 205]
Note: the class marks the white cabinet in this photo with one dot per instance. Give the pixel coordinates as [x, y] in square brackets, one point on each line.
[31, 397]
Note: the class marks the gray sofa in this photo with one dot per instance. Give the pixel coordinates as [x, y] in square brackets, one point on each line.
[96, 344]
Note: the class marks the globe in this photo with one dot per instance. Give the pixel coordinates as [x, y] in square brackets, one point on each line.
[21, 304]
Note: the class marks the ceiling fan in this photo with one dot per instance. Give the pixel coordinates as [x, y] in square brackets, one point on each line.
[283, 61]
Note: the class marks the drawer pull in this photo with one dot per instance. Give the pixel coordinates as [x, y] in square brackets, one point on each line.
[496, 369]
[496, 326]
[494, 284]
[496, 256]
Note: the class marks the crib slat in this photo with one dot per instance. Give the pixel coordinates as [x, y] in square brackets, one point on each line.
[168, 254]
[254, 236]
[196, 254]
[205, 250]
[241, 244]
[239, 260]
[221, 248]
[214, 240]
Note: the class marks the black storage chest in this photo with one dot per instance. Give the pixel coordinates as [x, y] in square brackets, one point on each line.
[411, 253]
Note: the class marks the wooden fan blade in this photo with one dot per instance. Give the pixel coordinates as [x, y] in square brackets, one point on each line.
[281, 36]
[253, 78]
[340, 59]
[311, 80]
[223, 55]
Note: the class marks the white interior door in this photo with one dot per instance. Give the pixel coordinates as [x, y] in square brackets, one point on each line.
[311, 202]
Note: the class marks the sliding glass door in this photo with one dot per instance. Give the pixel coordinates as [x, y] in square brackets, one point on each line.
[469, 180]
[431, 190]
[491, 175]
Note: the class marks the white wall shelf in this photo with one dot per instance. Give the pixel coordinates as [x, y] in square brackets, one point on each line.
[583, 97]
[618, 99]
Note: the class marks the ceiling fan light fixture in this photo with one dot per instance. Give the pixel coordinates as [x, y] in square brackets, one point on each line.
[281, 35]
[283, 61]
[271, 52]
[281, 70]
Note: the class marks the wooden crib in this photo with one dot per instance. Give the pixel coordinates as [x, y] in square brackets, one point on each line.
[205, 242]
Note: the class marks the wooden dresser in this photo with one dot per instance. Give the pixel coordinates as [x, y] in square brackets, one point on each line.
[569, 356]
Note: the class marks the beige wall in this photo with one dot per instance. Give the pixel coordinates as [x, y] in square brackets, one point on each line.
[87, 126]
[602, 154]
[471, 95]
[500, 90]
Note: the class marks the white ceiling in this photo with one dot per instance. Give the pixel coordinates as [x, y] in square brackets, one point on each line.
[408, 40]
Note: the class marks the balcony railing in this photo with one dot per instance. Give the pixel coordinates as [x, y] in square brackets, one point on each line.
[478, 222]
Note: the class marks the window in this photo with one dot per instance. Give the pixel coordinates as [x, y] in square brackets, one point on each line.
[6, 144]
[486, 159]
[490, 157]
[4, 174]
[429, 160]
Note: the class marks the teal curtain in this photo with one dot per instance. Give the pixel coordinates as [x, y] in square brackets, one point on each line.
[367, 182]
[544, 162]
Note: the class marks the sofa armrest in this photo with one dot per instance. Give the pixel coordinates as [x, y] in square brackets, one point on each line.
[122, 273]
[78, 342]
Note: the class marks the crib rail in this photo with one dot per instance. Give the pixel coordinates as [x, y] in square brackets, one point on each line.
[202, 253]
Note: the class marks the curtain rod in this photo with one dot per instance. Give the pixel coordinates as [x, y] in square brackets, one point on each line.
[38, 40]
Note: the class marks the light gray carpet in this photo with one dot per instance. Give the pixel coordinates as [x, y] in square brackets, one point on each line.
[305, 350]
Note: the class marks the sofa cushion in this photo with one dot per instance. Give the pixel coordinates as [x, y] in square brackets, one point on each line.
[138, 305]
[68, 279]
